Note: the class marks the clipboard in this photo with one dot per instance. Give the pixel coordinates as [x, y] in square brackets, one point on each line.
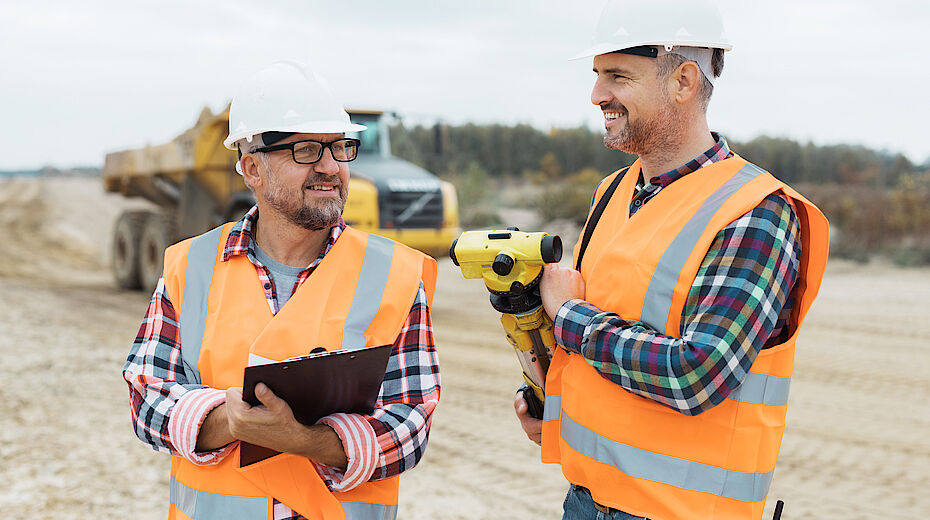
[318, 385]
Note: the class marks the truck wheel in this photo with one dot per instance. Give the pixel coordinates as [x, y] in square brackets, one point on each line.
[125, 253]
[157, 234]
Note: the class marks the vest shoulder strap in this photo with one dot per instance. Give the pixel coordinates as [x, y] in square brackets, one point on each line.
[201, 260]
[428, 268]
[596, 215]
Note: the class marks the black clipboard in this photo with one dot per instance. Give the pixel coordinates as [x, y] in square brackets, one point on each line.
[318, 385]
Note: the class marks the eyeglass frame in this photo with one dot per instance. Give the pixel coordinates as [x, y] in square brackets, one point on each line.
[323, 146]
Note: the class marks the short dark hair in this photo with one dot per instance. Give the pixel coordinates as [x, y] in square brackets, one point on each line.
[668, 63]
[716, 62]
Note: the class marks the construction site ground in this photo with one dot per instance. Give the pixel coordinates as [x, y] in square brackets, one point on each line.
[857, 443]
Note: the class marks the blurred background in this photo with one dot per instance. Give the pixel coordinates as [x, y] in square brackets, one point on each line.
[828, 95]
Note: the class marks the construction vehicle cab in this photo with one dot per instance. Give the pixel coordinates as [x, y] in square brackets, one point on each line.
[193, 181]
[395, 198]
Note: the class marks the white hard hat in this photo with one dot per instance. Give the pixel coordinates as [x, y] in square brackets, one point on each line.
[625, 24]
[286, 96]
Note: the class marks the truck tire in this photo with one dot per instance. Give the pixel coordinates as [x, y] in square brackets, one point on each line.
[157, 234]
[125, 253]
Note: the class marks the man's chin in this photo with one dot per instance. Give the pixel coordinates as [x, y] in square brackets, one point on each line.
[618, 143]
[317, 217]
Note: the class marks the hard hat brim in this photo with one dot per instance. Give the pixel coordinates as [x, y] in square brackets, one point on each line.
[317, 127]
[606, 48]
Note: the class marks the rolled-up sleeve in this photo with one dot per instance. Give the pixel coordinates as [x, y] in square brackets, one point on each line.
[167, 409]
[393, 438]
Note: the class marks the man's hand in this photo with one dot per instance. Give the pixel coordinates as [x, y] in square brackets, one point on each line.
[558, 285]
[532, 427]
[272, 425]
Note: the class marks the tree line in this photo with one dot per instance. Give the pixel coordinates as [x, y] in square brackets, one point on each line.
[512, 151]
[877, 201]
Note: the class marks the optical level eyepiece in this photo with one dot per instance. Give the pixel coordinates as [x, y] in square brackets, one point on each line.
[550, 248]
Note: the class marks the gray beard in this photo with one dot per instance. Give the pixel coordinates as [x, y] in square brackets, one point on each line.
[313, 218]
[323, 214]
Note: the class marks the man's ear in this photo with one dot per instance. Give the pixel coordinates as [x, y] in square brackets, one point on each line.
[686, 82]
[249, 165]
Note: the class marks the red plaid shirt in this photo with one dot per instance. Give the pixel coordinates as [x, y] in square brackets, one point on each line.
[167, 410]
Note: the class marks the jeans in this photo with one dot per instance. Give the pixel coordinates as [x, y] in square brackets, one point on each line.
[579, 505]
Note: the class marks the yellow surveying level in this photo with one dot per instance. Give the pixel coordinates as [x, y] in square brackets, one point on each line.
[510, 262]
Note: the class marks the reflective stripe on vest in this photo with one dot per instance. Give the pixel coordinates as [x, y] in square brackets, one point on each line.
[379, 253]
[762, 389]
[201, 505]
[552, 408]
[658, 300]
[644, 464]
[755, 388]
[365, 511]
[198, 277]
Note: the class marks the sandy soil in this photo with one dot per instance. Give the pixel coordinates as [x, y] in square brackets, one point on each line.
[857, 444]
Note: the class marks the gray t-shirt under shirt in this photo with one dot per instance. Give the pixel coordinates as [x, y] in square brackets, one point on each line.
[282, 276]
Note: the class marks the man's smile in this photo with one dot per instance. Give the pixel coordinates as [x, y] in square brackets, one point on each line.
[611, 117]
[324, 188]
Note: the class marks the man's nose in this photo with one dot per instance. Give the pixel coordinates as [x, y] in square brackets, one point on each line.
[327, 163]
[599, 93]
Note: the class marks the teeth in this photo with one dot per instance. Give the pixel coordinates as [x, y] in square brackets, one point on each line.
[610, 116]
[321, 188]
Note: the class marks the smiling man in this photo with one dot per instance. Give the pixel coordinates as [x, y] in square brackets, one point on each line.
[694, 272]
[287, 278]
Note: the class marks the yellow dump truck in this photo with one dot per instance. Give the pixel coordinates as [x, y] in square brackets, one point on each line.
[193, 181]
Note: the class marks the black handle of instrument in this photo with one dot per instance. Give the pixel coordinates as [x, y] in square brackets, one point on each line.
[534, 405]
[778, 508]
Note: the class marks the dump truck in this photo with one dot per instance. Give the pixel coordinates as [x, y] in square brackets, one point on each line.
[194, 185]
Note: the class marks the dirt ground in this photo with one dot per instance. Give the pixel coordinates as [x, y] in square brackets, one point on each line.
[857, 443]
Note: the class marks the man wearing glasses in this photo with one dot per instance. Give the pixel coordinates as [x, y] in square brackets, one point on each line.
[220, 306]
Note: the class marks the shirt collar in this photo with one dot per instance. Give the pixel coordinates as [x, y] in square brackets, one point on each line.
[240, 238]
[718, 152]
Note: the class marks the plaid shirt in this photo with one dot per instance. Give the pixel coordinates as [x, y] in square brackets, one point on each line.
[739, 303]
[167, 410]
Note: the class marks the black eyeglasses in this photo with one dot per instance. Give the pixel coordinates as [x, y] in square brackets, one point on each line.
[310, 151]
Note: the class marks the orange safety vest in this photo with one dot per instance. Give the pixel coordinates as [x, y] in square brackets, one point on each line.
[359, 296]
[632, 453]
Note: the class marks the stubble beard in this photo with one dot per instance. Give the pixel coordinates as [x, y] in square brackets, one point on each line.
[658, 135]
[314, 215]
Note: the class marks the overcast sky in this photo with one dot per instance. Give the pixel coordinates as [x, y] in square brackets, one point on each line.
[79, 79]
